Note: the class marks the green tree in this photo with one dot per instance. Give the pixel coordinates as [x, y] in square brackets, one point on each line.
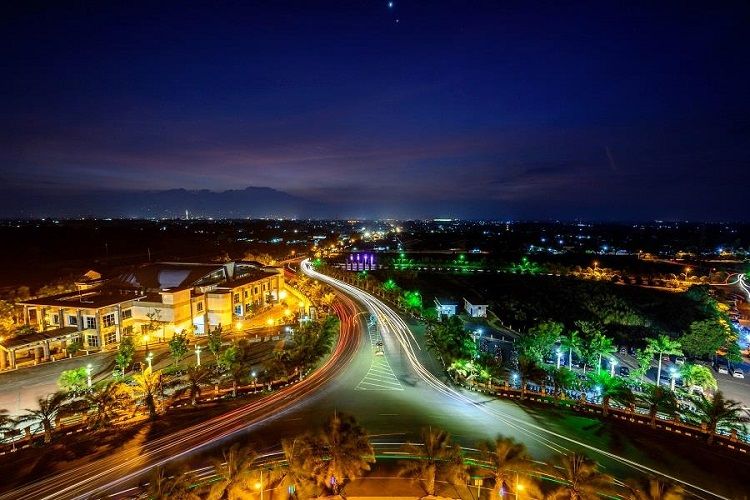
[657, 398]
[436, 458]
[215, 342]
[528, 371]
[507, 459]
[73, 347]
[698, 375]
[537, 343]
[610, 389]
[228, 357]
[644, 358]
[50, 408]
[125, 354]
[601, 346]
[233, 471]
[660, 346]
[562, 379]
[73, 381]
[580, 479]
[719, 413]
[450, 340]
[704, 338]
[572, 343]
[339, 453]
[178, 347]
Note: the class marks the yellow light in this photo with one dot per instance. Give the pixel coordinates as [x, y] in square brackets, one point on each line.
[282, 294]
[238, 325]
[287, 312]
[257, 486]
[269, 321]
[687, 270]
[520, 487]
[145, 337]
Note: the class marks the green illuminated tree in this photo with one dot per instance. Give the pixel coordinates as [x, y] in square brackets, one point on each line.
[215, 342]
[610, 389]
[537, 343]
[698, 375]
[571, 343]
[660, 346]
[125, 354]
[74, 381]
[562, 379]
[704, 338]
[719, 413]
[600, 346]
[178, 347]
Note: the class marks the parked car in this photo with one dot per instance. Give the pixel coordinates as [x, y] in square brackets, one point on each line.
[624, 371]
[623, 350]
[679, 360]
[738, 373]
[724, 369]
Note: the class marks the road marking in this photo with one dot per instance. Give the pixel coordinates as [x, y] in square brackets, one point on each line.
[379, 377]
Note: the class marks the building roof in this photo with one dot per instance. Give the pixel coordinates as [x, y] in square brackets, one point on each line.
[173, 275]
[443, 301]
[32, 338]
[249, 275]
[92, 298]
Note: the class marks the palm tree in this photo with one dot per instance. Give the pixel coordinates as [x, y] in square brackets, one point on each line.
[234, 471]
[296, 474]
[562, 379]
[508, 458]
[7, 425]
[104, 402]
[698, 375]
[196, 378]
[238, 374]
[50, 408]
[601, 345]
[162, 486]
[611, 388]
[663, 345]
[572, 343]
[339, 453]
[436, 459]
[654, 489]
[528, 371]
[148, 385]
[717, 412]
[657, 398]
[580, 478]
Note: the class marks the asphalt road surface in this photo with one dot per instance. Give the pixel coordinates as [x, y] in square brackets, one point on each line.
[394, 396]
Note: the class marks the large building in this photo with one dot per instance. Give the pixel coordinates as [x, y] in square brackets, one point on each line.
[150, 303]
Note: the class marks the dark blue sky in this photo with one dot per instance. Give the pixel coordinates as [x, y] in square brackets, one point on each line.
[500, 109]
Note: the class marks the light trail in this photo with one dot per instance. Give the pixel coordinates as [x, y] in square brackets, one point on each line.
[98, 477]
[396, 325]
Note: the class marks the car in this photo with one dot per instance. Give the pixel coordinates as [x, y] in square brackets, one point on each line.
[724, 369]
[623, 350]
[738, 373]
[624, 371]
[679, 360]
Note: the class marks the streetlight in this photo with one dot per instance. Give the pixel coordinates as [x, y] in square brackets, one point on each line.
[559, 357]
[149, 357]
[88, 374]
[612, 365]
[515, 378]
[673, 375]
[197, 355]
[259, 485]
[254, 382]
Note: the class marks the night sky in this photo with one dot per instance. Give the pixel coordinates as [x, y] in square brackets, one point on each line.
[497, 109]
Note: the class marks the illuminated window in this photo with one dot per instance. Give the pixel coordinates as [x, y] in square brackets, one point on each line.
[108, 320]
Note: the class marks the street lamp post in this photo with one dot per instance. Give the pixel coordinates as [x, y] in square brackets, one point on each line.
[149, 357]
[673, 376]
[255, 385]
[88, 375]
[612, 365]
[559, 357]
[197, 355]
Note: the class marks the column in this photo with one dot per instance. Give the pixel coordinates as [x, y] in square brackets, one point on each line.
[118, 327]
[79, 320]
[37, 354]
[99, 327]
[25, 314]
[61, 315]
[41, 318]
[12, 355]
[3, 362]
[45, 349]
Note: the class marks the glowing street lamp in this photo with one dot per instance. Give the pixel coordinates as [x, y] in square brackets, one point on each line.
[255, 385]
[612, 365]
[559, 358]
[88, 374]
[149, 357]
[673, 375]
[197, 355]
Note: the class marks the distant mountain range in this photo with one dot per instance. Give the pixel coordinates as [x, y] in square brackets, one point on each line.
[240, 203]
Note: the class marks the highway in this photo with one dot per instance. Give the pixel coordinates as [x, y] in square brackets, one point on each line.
[394, 396]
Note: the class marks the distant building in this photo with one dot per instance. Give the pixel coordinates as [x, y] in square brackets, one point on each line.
[474, 308]
[445, 307]
[150, 303]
